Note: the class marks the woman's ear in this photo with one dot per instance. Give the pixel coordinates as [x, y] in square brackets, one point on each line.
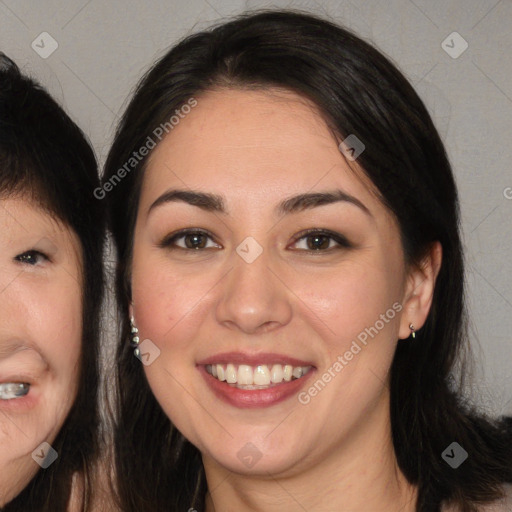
[419, 290]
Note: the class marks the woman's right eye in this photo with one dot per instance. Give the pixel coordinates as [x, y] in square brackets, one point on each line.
[189, 239]
[32, 257]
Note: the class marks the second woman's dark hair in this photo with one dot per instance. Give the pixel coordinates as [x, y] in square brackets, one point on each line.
[358, 91]
[45, 158]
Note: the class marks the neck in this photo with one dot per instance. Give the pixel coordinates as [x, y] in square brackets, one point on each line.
[358, 474]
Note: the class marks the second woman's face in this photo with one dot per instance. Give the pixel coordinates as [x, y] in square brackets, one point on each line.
[267, 283]
[40, 338]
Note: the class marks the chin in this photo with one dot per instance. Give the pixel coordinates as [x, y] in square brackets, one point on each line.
[255, 459]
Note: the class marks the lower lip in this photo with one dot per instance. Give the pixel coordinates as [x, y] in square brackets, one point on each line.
[253, 398]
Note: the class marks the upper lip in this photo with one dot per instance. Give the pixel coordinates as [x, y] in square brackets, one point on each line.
[253, 359]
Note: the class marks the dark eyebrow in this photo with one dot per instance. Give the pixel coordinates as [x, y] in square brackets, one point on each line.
[215, 203]
[203, 200]
[312, 200]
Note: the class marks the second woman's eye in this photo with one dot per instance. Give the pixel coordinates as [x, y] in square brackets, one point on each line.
[32, 258]
[189, 239]
[12, 390]
[315, 240]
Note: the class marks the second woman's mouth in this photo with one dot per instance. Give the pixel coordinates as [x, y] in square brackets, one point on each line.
[259, 376]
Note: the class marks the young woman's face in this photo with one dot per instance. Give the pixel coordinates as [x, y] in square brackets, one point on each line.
[296, 299]
[40, 337]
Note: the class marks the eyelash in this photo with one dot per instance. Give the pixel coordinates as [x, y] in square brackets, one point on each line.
[169, 241]
[342, 242]
[22, 258]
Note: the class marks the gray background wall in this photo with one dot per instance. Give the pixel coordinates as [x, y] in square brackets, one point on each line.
[104, 46]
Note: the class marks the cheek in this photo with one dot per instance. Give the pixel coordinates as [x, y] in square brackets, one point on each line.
[56, 324]
[57, 315]
[359, 310]
[350, 300]
[361, 306]
[167, 301]
[49, 315]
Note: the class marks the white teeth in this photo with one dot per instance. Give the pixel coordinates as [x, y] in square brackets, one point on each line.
[231, 374]
[276, 374]
[244, 375]
[297, 372]
[260, 376]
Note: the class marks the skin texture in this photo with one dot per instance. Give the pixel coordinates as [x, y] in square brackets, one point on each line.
[40, 335]
[257, 148]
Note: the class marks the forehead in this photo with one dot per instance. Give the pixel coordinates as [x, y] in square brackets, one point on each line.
[24, 220]
[254, 144]
[24, 212]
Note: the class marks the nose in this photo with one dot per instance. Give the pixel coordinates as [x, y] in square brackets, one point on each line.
[253, 299]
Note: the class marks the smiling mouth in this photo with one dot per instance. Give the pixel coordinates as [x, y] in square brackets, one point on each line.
[261, 376]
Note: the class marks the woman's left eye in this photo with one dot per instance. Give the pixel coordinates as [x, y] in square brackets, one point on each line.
[321, 241]
[31, 258]
[12, 390]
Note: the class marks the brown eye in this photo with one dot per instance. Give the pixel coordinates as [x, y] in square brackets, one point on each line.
[189, 240]
[195, 241]
[315, 240]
